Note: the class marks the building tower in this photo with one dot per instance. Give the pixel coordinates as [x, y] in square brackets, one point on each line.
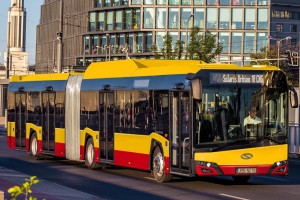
[16, 33]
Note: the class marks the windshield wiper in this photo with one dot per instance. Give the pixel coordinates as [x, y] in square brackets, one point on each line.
[230, 144]
[268, 138]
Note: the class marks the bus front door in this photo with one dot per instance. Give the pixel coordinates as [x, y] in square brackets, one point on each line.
[180, 154]
[20, 125]
[48, 125]
[106, 105]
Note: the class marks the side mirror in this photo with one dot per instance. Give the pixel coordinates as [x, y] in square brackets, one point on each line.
[197, 88]
[293, 97]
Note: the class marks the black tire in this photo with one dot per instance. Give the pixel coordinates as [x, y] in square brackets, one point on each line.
[34, 146]
[158, 166]
[90, 155]
[241, 179]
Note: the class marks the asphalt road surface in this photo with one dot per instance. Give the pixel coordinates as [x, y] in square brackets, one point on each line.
[120, 183]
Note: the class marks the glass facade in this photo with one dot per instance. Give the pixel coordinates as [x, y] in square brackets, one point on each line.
[131, 28]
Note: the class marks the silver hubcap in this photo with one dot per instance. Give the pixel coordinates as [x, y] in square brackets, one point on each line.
[34, 146]
[90, 154]
[158, 164]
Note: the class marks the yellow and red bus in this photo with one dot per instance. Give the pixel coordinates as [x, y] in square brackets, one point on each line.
[171, 117]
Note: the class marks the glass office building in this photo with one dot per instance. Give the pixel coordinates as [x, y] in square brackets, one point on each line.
[119, 29]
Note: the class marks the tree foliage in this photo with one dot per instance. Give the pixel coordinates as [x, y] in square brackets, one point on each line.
[203, 46]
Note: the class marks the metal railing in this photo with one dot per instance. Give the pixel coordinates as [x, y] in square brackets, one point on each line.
[294, 138]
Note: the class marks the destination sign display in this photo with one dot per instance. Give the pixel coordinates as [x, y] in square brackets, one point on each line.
[229, 78]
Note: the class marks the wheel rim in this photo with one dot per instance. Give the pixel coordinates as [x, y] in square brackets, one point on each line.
[34, 146]
[158, 164]
[90, 154]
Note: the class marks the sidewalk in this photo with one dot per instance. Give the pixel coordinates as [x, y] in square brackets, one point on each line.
[43, 190]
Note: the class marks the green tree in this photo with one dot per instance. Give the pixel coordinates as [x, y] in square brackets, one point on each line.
[265, 57]
[167, 51]
[202, 46]
[179, 49]
[24, 189]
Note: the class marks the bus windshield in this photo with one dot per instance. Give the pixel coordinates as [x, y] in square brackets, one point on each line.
[240, 116]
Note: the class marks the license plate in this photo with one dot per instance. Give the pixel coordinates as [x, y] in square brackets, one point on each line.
[245, 170]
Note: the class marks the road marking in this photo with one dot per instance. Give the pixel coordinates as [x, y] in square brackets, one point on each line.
[234, 197]
[153, 179]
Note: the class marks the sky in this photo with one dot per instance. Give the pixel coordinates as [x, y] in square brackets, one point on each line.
[33, 8]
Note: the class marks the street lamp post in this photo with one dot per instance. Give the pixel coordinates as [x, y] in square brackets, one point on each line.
[278, 41]
[8, 51]
[186, 36]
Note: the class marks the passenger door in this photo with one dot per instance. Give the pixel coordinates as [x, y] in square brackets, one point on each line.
[180, 137]
[20, 125]
[106, 105]
[48, 126]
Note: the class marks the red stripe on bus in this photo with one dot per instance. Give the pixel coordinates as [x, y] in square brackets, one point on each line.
[60, 149]
[132, 160]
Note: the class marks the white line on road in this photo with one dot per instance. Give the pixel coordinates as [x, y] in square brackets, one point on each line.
[234, 197]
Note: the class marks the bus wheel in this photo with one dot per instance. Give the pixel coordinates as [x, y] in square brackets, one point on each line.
[158, 165]
[241, 179]
[34, 146]
[90, 155]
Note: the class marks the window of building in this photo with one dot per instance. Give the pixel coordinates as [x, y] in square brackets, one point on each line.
[98, 3]
[250, 18]
[211, 18]
[136, 18]
[159, 40]
[199, 17]
[129, 42]
[100, 22]
[92, 19]
[237, 2]
[212, 2]
[120, 43]
[249, 43]
[107, 3]
[148, 42]
[95, 44]
[185, 17]
[161, 17]
[174, 2]
[224, 2]
[236, 60]
[87, 45]
[175, 38]
[112, 43]
[116, 3]
[249, 2]
[262, 22]
[124, 2]
[161, 2]
[237, 18]
[279, 27]
[173, 18]
[263, 2]
[186, 2]
[148, 17]
[261, 41]
[236, 42]
[224, 18]
[103, 44]
[118, 25]
[293, 28]
[139, 42]
[198, 2]
[127, 20]
[148, 2]
[224, 41]
[109, 21]
[136, 2]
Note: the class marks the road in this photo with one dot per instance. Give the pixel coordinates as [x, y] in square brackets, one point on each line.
[120, 183]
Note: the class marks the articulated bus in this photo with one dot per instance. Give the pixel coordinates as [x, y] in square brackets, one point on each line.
[170, 117]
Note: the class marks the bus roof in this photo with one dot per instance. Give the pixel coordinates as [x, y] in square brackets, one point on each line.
[138, 68]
